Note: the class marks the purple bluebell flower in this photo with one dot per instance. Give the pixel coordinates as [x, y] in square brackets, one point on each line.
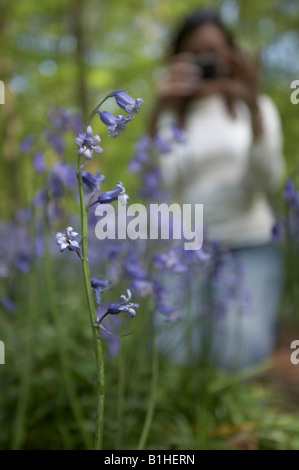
[124, 305]
[171, 313]
[170, 260]
[62, 174]
[112, 339]
[26, 144]
[151, 187]
[127, 103]
[41, 198]
[65, 240]
[179, 134]
[54, 210]
[23, 262]
[162, 144]
[61, 118]
[153, 178]
[116, 194]
[290, 194]
[202, 255]
[277, 231]
[141, 154]
[142, 287]
[99, 285]
[24, 215]
[39, 162]
[116, 124]
[133, 269]
[56, 141]
[8, 304]
[88, 143]
[92, 183]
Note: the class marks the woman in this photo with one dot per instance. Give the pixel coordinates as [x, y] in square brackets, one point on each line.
[231, 161]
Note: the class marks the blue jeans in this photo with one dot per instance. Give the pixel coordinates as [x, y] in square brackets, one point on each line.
[232, 336]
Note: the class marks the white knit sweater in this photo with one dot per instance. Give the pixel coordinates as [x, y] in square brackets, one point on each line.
[222, 167]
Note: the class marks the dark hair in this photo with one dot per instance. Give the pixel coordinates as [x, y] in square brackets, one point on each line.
[193, 21]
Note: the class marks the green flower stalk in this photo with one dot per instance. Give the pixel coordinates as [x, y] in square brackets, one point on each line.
[88, 145]
[92, 315]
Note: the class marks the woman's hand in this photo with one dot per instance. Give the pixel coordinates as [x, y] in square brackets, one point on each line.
[243, 81]
[181, 81]
[243, 84]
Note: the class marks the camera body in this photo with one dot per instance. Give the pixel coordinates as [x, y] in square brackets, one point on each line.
[209, 66]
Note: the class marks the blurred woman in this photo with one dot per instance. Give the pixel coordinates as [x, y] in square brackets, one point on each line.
[231, 161]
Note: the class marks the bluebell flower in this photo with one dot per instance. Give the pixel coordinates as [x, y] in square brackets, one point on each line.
[124, 305]
[141, 154]
[92, 183]
[171, 313]
[277, 231]
[162, 144]
[290, 194]
[179, 134]
[41, 198]
[112, 339]
[127, 103]
[116, 194]
[133, 269]
[99, 285]
[23, 262]
[23, 215]
[116, 124]
[65, 240]
[88, 143]
[142, 287]
[39, 162]
[26, 144]
[169, 260]
[66, 174]
[61, 118]
[8, 304]
[56, 141]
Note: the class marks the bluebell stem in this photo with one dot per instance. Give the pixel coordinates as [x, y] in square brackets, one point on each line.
[65, 240]
[116, 124]
[127, 103]
[88, 143]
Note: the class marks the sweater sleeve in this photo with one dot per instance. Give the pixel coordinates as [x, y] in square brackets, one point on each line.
[266, 165]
